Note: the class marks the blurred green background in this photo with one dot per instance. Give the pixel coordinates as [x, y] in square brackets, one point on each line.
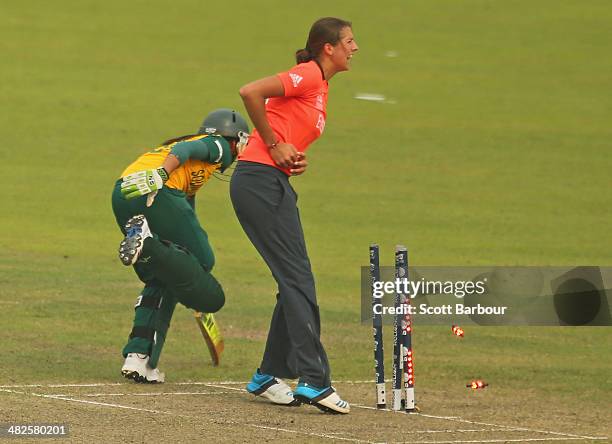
[492, 148]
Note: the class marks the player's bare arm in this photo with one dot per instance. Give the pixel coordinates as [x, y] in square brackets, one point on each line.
[254, 96]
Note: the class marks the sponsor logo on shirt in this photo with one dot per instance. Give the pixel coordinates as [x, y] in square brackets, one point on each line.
[295, 79]
[321, 123]
[319, 104]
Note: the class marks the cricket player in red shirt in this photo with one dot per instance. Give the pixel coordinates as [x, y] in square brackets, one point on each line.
[289, 112]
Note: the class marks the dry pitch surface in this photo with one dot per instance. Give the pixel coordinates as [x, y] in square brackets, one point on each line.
[224, 412]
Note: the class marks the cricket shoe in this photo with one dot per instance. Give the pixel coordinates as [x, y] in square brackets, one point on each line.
[325, 399]
[271, 388]
[137, 230]
[136, 367]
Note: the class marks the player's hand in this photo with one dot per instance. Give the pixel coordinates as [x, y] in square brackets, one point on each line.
[146, 182]
[300, 165]
[284, 154]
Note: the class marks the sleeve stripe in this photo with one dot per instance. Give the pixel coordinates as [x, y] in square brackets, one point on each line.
[220, 151]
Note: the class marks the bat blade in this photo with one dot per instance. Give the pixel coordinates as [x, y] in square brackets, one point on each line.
[212, 335]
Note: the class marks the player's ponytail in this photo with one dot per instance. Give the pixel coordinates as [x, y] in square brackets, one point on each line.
[324, 30]
[303, 55]
[179, 139]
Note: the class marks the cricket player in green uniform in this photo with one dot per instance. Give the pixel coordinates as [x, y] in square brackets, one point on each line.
[154, 206]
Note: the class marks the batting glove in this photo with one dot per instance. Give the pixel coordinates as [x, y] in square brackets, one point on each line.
[140, 183]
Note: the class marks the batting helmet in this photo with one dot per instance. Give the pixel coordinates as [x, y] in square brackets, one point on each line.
[224, 122]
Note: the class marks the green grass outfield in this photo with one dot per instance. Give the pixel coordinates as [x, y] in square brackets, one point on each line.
[495, 151]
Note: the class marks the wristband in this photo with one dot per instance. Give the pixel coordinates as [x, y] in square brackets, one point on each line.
[163, 173]
[272, 145]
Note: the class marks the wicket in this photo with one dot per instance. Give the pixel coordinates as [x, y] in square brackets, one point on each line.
[379, 361]
[403, 360]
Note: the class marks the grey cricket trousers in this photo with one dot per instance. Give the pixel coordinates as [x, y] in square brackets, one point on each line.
[265, 204]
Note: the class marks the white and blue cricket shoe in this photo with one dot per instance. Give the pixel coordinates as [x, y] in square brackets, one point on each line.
[325, 399]
[271, 388]
[136, 231]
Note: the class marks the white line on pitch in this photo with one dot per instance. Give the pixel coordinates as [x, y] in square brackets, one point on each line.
[454, 418]
[109, 384]
[457, 419]
[112, 384]
[211, 382]
[105, 404]
[223, 384]
[515, 428]
[370, 381]
[318, 435]
[102, 395]
[95, 384]
[416, 432]
[246, 382]
[489, 440]
[226, 388]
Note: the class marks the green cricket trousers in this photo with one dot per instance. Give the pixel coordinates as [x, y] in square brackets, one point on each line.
[174, 265]
[266, 206]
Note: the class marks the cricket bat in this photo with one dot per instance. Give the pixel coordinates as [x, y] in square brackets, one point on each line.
[212, 335]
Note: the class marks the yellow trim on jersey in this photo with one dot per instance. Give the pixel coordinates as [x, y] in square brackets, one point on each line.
[188, 177]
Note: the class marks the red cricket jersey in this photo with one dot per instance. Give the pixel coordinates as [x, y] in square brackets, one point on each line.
[298, 117]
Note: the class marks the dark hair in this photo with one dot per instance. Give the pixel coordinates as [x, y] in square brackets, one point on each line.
[178, 139]
[189, 136]
[325, 30]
